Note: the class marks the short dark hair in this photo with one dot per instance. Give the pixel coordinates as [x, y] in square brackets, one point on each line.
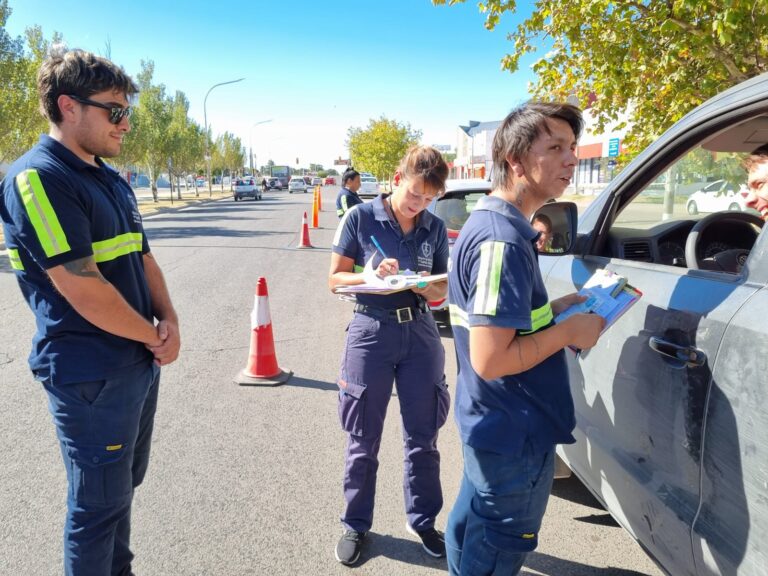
[80, 73]
[349, 174]
[544, 219]
[426, 163]
[522, 126]
[757, 156]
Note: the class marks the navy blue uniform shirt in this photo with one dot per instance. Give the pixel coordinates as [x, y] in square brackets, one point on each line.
[56, 208]
[424, 249]
[346, 200]
[494, 280]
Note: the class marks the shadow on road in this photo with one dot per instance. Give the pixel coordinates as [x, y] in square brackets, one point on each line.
[573, 490]
[209, 231]
[401, 549]
[298, 382]
[551, 566]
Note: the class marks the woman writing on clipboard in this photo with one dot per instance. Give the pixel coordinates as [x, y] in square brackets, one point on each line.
[393, 338]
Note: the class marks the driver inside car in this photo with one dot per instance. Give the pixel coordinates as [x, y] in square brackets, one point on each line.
[756, 165]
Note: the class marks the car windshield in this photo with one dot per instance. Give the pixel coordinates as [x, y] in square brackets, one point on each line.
[368, 179]
[455, 208]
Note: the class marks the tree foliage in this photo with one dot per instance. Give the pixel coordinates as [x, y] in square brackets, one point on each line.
[149, 142]
[20, 121]
[379, 148]
[654, 59]
[228, 154]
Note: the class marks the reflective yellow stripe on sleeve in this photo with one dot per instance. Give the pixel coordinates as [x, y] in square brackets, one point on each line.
[540, 318]
[106, 250]
[41, 214]
[13, 256]
[489, 278]
[458, 316]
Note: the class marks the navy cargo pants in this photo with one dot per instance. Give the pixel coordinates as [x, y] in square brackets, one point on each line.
[379, 350]
[104, 429]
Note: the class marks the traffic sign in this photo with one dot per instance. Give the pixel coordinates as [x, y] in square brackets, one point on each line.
[613, 147]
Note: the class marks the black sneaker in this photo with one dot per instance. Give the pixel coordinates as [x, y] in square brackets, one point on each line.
[433, 541]
[349, 546]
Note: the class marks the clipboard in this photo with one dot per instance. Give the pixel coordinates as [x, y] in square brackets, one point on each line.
[608, 294]
[389, 284]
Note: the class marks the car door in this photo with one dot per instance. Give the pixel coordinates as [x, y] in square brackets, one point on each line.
[730, 532]
[640, 410]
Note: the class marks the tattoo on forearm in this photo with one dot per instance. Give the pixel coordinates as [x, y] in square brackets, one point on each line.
[85, 268]
[536, 343]
[520, 353]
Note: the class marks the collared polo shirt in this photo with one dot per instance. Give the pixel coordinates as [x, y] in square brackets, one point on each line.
[346, 200]
[494, 280]
[56, 208]
[423, 249]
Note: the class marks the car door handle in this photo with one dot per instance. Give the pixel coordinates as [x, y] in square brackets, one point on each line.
[687, 355]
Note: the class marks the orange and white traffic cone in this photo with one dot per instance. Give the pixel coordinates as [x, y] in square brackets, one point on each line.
[319, 199]
[262, 368]
[304, 241]
[315, 215]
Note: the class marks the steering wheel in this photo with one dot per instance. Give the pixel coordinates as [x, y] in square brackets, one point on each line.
[726, 261]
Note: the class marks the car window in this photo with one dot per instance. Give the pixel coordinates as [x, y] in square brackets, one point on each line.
[455, 209]
[367, 179]
[700, 183]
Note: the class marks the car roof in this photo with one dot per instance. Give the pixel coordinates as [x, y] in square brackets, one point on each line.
[455, 185]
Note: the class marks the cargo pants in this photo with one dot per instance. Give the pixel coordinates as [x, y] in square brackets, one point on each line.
[381, 350]
[104, 429]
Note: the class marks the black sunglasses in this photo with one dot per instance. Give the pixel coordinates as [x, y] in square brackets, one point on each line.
[116, 113]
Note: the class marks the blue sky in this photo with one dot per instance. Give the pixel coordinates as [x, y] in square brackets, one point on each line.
[314, 68]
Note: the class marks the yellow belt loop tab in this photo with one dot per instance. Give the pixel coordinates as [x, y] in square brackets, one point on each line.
[15, 259]
[113, 447]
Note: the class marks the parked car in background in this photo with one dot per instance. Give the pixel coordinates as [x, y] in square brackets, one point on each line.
[369, 187]
[672, 402]
[330, 181]
[717, 196]
[297, 184]
[453, 208]
[245, 188]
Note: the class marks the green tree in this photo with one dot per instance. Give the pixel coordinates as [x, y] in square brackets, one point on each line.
[20, 120]
[149, 143]
[654, 59]
[379, 148]
[448, 156]
[186, 140]
[228, 155]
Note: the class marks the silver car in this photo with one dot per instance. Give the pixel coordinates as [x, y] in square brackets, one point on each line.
[672, 403]
[297, 184]
[369, 187]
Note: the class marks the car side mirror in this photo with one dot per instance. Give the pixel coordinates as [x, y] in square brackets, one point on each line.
[556, 223]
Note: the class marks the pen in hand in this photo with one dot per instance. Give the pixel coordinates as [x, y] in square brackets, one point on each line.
[378, 247]
[391, 268]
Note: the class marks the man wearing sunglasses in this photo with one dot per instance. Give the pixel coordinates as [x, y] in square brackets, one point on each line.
[78, 249]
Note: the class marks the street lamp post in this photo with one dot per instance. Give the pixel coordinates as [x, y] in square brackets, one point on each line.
[250, 141]
[205, 118]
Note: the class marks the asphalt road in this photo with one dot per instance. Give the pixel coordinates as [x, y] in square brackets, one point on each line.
[246, 481]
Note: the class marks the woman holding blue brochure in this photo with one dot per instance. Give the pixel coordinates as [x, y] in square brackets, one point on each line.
[393, 338]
